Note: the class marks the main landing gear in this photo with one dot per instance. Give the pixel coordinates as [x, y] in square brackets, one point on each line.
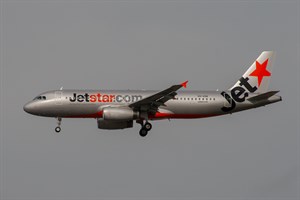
[58, 129]
[145, 128]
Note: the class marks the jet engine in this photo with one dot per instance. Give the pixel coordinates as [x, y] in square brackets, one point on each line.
[106, 124]
[119, 114]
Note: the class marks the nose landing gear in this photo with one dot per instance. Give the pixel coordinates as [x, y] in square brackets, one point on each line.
[58, 129]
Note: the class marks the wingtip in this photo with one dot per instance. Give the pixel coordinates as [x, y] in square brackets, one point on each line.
[184, 84]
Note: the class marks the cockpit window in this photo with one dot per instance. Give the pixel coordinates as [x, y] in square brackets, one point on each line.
[40, 98]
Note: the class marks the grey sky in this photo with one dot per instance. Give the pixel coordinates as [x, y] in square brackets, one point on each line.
[148, 45]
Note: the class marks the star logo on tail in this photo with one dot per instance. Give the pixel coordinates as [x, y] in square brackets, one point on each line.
[261, 71]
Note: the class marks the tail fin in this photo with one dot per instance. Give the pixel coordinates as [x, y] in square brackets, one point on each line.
[257, 77]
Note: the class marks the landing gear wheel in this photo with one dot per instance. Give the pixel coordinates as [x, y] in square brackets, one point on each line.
[143, 132]
[57, 129]
[148, 126]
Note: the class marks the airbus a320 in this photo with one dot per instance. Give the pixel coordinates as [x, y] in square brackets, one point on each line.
[118, 109]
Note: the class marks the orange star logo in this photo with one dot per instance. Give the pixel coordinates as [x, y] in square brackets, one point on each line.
[260, 71]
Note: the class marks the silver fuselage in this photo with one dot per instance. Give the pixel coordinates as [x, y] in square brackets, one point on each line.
[90, 103]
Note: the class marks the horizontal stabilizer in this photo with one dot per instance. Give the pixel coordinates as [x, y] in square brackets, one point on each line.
[262, 96]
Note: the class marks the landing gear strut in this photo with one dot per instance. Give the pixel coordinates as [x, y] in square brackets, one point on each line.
[58, 129]
[145, 128]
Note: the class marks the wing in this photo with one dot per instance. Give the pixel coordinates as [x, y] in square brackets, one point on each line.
[151, 103]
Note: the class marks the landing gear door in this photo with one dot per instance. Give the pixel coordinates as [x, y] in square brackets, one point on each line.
[58, 97]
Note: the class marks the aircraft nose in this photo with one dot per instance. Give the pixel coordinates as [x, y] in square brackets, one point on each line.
[29, 108]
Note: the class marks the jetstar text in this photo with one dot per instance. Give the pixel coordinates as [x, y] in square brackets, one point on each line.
[105, 98]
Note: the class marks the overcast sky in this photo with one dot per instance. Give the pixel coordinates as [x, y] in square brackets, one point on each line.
[148, 45]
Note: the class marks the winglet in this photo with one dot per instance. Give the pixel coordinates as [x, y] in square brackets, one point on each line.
[184, 84]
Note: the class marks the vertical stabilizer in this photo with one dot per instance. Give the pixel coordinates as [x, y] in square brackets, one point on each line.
[256, 79]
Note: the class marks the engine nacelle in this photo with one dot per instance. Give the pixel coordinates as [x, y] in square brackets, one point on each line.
[119, 114]
[105, 124]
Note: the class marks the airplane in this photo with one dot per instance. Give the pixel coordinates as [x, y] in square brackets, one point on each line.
[118, 109]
